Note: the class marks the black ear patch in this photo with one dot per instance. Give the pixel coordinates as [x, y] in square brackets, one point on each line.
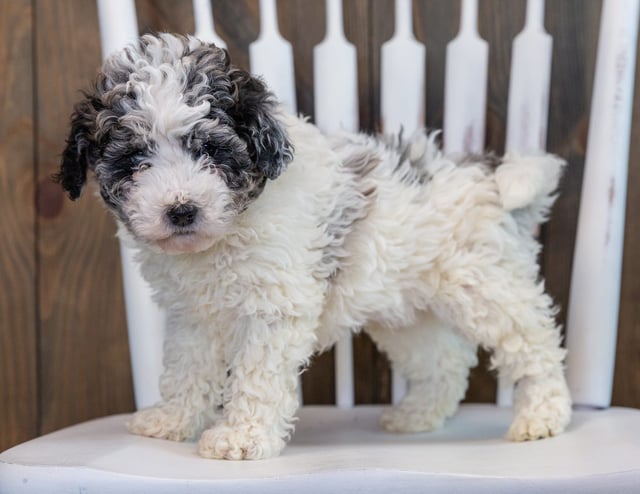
[267, 140]
[79, 153]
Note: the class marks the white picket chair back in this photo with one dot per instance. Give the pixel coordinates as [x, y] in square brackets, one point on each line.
[461, 458]
[592, 324]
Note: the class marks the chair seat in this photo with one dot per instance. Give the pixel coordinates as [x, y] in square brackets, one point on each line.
[337, 450]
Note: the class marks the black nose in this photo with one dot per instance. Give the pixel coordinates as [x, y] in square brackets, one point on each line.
[182, 214]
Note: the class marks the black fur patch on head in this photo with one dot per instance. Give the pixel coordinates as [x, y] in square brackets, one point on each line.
[245, 142]
[80, 150]
[228, 155]
[253, 113]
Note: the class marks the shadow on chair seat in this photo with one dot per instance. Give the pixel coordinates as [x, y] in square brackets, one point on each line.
[337, 450]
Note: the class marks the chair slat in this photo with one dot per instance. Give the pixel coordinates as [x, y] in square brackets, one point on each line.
[402, 99]
[465, 93]
[528, 108]
[597, 263]
[205, 25]
[344, 373]
[118, 24]
[402, 71]
[335, 77]
[145, 323]
[335, 80]
[271, 56]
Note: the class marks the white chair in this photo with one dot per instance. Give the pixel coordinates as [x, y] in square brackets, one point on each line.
[343, 449]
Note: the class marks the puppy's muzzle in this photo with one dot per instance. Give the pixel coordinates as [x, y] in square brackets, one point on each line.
[182, 215]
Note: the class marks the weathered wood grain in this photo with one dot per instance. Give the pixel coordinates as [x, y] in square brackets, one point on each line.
[436, 23]
[18, 339]
[303, 36]
[626, 383]
[84, 352]
[499, 31]
[165, 15]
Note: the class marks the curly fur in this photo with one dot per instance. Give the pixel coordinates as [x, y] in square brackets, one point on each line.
[433, 255]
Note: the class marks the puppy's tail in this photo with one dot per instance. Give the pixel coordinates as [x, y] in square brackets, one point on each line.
[529, 184]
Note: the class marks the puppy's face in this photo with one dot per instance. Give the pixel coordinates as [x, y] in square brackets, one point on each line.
[180, 141]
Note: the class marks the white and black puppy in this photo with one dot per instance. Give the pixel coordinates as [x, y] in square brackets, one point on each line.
[266, 241]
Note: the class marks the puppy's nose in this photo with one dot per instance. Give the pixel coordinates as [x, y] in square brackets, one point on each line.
[182, 214]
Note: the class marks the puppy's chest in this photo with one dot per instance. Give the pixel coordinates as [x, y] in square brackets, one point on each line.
[200, 285]
[257, 280]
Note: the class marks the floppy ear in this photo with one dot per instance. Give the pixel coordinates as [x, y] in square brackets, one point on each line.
[80, 150]
[253, 112]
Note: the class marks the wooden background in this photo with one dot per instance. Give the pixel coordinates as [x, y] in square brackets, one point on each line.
[63, 344]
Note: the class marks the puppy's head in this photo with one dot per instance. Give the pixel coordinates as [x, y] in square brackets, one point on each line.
[180, 141]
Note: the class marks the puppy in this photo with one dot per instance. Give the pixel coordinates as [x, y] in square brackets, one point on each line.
[267, 241]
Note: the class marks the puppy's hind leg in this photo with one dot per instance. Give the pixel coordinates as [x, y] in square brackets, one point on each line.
[436, 360]
[507, 312]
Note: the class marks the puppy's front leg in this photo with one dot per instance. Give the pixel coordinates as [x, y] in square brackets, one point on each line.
[191, 385]
[261, 397]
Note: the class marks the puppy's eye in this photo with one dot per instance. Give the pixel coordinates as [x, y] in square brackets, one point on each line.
[142, 167]
[138, 161]
[209, 149]
[135, 157]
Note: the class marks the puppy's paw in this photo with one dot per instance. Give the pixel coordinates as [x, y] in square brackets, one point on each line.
[532, 428]
[246, 442]
[164, 422]
[543, 408]
[402, 418]
[545, 421]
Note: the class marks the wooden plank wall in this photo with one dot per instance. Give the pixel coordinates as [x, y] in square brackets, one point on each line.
[19, 401]
[63, 345]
